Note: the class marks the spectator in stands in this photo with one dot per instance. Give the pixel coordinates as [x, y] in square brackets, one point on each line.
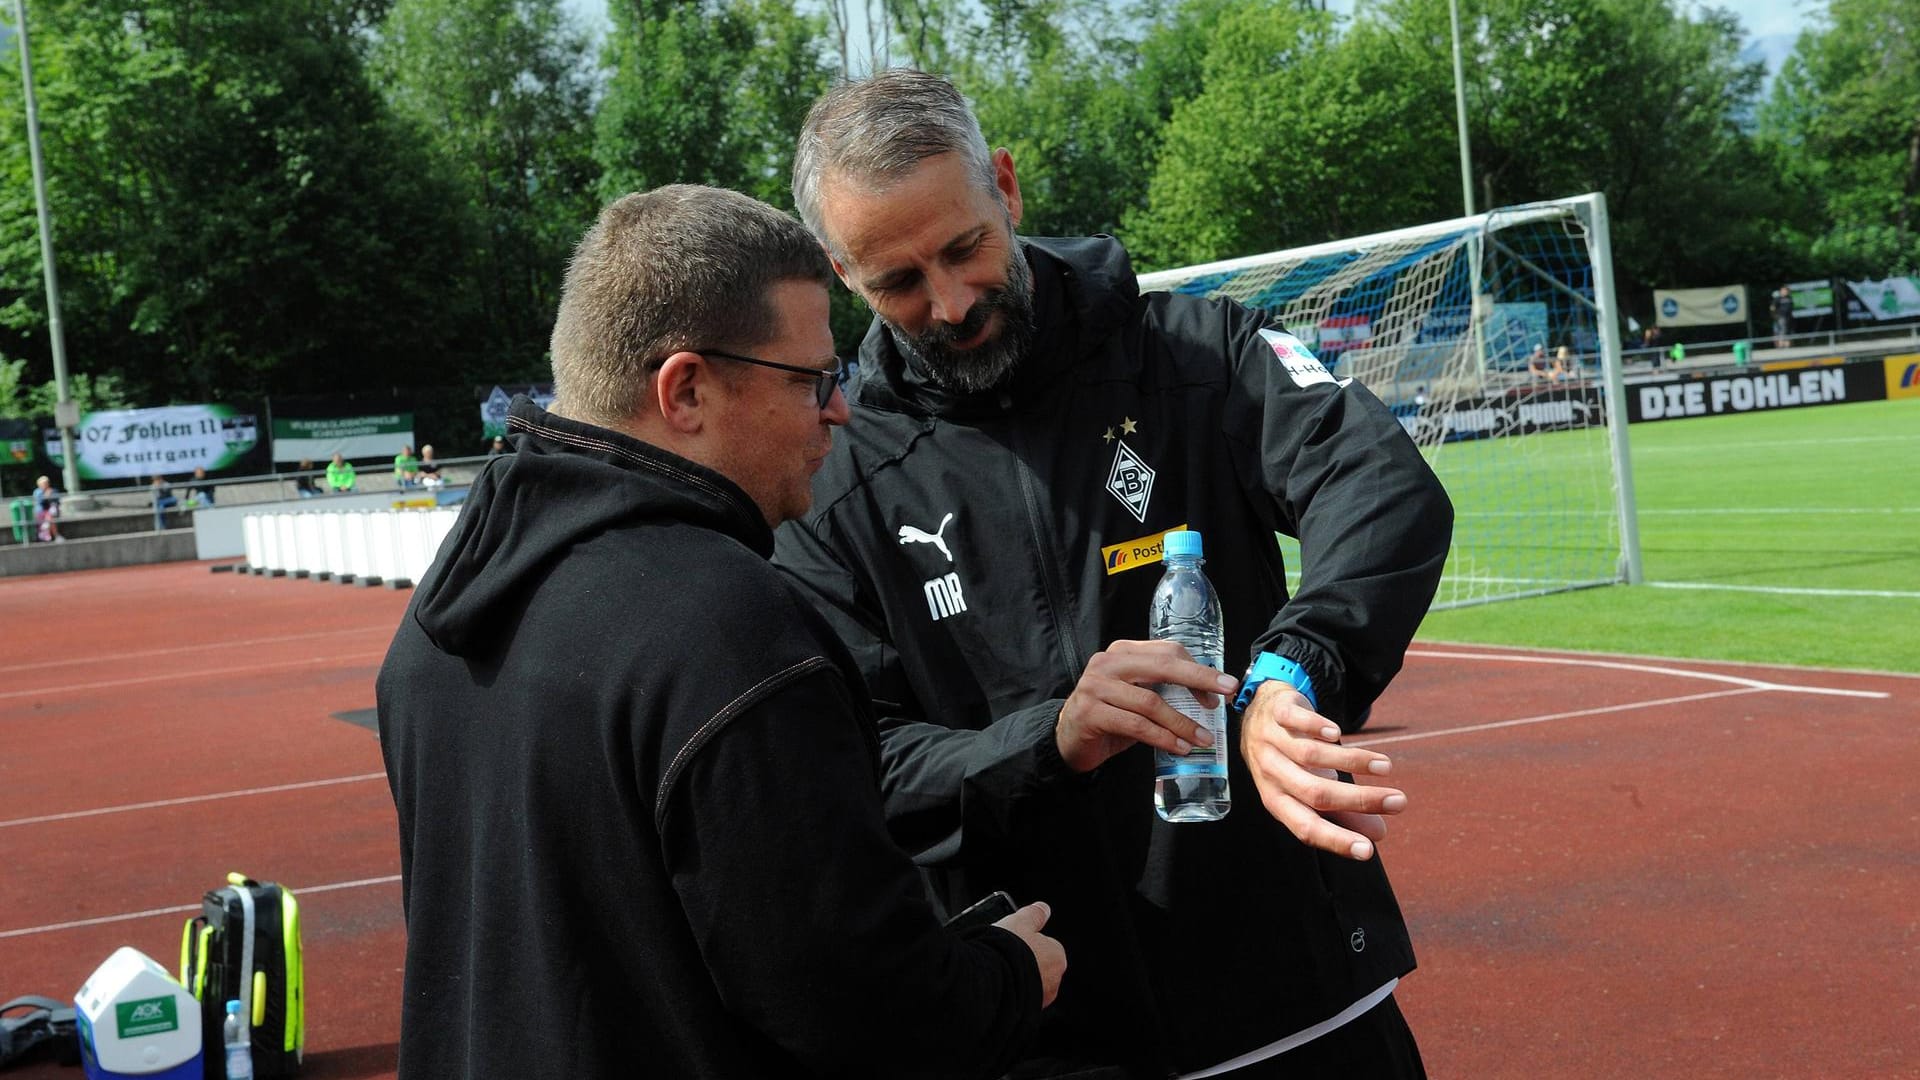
[46, 509]
[339, 475]
[429, 469]
[1563, 365]
[1782, 317]
[303, 480]
[201, 493]
[163, 500]
[499, 446]
[1537, 361]
[406, 468]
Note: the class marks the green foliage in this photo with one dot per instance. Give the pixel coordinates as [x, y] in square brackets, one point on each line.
[1299, 135]
[310, 195]
[710, 92]
[24, 400]
[1843, 126]
[233, 208]
[499, 93]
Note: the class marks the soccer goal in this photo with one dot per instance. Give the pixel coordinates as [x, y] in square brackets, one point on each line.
[1496, 341]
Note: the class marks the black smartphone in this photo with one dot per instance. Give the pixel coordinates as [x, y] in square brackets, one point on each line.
[997, 905]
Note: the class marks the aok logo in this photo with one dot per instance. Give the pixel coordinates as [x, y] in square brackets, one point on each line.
[147, 1016]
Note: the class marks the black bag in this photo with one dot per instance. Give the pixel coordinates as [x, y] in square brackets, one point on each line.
[245, 946]
[32, 1023]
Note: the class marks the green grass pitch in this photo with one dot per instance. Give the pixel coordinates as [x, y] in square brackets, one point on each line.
[1804, 499]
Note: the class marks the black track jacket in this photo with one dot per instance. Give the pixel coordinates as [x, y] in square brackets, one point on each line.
[640, 819]
[975, 550]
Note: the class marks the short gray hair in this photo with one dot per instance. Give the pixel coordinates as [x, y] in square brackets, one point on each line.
[875, 131]
[678, 267]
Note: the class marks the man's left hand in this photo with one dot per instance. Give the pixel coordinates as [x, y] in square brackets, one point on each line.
[1293, 753]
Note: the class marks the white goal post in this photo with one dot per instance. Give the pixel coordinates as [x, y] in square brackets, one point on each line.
[1496, 341]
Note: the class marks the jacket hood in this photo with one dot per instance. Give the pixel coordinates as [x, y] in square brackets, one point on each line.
[566, 482]
[1078, 282]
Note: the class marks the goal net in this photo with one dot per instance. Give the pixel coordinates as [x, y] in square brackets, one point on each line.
[1495, 340]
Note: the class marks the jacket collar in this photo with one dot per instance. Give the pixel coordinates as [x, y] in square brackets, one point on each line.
[665, 481]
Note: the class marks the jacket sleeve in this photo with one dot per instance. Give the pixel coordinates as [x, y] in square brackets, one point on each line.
[1324, 461]
[947, 789]
[812, 923]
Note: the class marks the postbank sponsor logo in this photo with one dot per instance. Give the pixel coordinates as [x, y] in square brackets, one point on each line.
[1142, 551]
[1903, 376]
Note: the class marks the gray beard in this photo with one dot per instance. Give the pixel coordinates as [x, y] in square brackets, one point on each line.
[990, 364]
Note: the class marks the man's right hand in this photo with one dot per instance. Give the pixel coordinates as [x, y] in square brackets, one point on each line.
[1047, 953]
[1114, 704]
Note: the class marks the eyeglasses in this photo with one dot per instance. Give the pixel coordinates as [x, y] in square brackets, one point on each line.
[822, 390]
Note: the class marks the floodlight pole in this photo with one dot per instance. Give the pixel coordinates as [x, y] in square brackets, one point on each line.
[1466, 195]
[65, 414]
[1460, 112]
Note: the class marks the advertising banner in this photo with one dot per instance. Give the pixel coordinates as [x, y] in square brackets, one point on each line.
[1811, 299]
[1884, 300]
[1700, 307]
[125, 444]
[297, 439]
[1903, 375]
[493, 405]
[1513, 412]
[1682, 398]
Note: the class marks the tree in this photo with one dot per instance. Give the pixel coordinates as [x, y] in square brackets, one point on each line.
[235, 210]
[1299, 135]
[709, 92]
[1843, 124]
[500, 94]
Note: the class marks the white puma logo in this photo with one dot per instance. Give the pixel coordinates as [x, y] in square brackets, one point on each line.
[911, 535]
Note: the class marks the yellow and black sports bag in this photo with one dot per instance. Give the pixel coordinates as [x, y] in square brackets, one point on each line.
[245, 946]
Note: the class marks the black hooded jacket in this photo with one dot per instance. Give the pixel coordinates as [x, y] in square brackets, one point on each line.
[1131, 415]
[640, 819]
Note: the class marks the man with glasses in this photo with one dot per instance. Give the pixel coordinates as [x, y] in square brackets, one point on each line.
[636, 776]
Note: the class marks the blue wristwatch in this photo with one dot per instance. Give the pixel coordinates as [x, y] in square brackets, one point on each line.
[1274, 666]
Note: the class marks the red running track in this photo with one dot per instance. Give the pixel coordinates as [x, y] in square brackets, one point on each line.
[1612, 866]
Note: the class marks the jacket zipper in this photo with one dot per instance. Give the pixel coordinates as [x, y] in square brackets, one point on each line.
[1050, 579]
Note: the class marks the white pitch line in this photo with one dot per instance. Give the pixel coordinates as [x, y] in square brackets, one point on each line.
[1651, 669]
[27, 931]
[111, 683]
[1522, 721]
[1787, 590]
[190, 799]
[116, 657]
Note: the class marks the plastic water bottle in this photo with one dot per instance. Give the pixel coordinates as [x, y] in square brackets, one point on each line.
[1186, 610]
[239, 1042]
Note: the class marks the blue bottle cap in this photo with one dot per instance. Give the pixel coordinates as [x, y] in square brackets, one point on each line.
[1184, 542]
[233, 1006]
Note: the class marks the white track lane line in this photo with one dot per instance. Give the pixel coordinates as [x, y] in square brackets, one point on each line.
[1525, 720]
[1785, 590]
[187, 800]
[1743, 686]
[108, 684]
[1649, 669]
[116, 657]
[28, 931]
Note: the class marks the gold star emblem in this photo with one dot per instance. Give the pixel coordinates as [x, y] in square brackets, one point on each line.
[1128, 426]
[1109, 435]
